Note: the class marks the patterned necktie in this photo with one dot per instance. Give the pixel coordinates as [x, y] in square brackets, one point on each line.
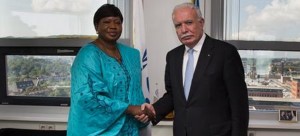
[189, 71]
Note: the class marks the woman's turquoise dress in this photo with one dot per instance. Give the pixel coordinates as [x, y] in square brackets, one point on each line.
[101, 90]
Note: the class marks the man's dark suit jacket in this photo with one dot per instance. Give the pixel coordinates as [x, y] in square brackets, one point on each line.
[218, 101]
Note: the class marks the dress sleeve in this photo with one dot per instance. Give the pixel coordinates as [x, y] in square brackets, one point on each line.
[90, 94]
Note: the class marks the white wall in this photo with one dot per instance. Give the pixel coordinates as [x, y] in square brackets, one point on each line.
[160, 38]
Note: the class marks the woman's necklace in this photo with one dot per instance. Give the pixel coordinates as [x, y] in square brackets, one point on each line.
[115, 54]
[110, 50]
[118, 58]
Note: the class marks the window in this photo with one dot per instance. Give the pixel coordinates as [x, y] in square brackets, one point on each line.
[262, 20]
[266, 32]
[51, 19]
[51, 24]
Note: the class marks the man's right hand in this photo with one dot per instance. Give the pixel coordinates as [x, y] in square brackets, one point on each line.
[148, 113]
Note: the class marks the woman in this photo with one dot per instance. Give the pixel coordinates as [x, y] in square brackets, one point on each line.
[106, 82]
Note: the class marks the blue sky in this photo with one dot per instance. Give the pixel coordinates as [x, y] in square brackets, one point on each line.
[269, 20]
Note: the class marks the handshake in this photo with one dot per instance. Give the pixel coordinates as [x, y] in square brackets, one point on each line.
[143, 113]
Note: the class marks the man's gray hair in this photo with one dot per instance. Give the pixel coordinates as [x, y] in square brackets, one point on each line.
[188, 5]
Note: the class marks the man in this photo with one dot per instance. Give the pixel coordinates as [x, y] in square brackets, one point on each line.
[217, 102]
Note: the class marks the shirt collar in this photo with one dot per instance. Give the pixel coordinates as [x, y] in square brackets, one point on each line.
[199, 45]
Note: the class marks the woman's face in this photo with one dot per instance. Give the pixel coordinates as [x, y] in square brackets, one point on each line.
[109, 29]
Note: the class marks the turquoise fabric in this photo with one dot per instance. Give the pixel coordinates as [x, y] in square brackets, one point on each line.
[101, 90]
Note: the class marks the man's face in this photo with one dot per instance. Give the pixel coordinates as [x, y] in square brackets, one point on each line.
[109, 28]
[189, 27]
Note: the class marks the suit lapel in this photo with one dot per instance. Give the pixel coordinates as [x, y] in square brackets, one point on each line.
[179, 70]
[205, 56]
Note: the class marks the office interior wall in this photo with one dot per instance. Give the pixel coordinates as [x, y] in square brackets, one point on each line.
[160, 38]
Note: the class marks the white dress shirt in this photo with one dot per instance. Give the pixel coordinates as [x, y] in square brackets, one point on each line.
[196, 54]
